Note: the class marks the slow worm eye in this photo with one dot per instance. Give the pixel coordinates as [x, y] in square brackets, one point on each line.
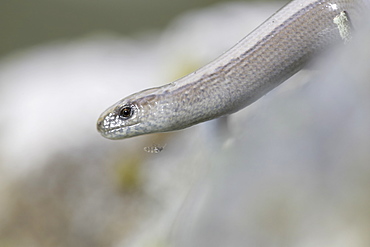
[126, 112]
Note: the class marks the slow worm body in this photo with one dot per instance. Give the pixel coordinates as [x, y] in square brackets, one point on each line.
[269, 55]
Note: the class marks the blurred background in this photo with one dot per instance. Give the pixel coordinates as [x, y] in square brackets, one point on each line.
[290, 170]
[26, 24]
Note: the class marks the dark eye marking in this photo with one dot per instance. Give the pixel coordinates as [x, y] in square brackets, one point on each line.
[126, 112]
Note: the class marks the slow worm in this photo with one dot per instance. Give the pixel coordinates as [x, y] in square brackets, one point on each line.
[262, 60]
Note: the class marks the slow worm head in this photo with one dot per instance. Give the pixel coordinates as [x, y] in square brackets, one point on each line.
[126, 118]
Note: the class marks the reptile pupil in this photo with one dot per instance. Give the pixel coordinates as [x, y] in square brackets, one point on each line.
[126, 112]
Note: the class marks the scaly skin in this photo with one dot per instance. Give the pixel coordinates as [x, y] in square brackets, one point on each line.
[265, 58]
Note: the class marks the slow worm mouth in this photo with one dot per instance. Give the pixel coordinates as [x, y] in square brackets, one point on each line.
[117, 132]
[113, 133]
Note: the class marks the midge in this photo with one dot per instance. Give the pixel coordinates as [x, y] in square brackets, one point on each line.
[154, 149]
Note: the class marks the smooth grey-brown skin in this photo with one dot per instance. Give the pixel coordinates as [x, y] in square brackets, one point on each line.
[272, 53]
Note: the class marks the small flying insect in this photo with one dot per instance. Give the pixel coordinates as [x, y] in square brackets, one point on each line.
[154, 149]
